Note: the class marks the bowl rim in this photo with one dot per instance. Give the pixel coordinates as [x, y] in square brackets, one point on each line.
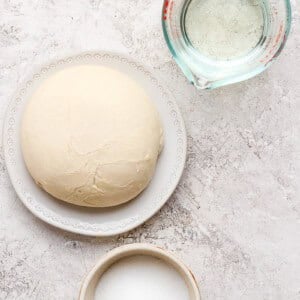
[107, 260]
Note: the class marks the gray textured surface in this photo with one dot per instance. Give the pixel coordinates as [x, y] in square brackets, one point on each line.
[235, 217]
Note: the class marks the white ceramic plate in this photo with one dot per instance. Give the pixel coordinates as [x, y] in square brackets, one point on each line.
[139, 271]
[99, 221]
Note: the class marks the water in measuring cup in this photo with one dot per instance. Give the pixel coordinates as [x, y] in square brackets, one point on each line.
[224, 29]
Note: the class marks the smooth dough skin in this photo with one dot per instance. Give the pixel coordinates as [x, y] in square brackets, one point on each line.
[91, 136]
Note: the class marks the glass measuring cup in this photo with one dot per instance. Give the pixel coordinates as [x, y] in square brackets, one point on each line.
[208, 73]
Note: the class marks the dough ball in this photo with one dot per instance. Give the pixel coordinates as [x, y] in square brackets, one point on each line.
[91, 136]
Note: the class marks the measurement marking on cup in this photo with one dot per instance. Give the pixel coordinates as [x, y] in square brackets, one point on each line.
[166, 10]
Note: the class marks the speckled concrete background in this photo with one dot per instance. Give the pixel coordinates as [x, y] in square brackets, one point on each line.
[235, 217]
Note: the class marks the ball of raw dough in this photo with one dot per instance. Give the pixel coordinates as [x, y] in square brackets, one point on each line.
[91, 136]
